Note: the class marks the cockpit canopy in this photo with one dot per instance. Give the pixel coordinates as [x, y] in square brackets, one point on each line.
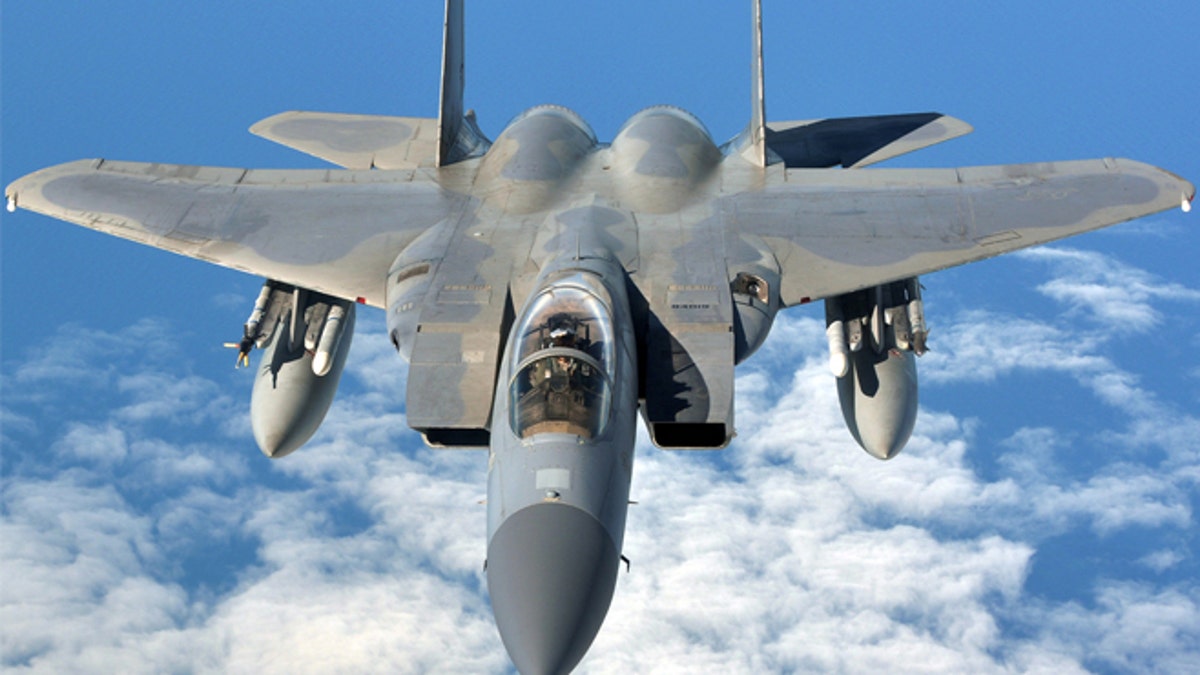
[562, 383]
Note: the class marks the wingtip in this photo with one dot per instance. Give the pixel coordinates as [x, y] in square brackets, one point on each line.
[263, 126]
[12, 192]
[25, 192]
[1187, 192]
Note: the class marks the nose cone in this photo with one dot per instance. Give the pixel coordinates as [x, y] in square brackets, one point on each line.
[551, 572]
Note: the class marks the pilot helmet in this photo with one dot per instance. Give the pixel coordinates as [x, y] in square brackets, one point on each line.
[562, 336]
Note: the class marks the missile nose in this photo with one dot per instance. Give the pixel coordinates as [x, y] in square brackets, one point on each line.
[551, 572]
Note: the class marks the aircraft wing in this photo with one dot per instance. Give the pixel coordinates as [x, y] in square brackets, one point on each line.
[838, 231]
[333, 231]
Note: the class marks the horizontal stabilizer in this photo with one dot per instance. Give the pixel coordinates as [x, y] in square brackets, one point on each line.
[854, 142]
[355, 141]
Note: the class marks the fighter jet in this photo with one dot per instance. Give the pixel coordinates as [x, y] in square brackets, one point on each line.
[547, 288]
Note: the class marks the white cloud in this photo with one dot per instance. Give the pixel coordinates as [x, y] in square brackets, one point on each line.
[1105, 290]
[78, 553]
[980, 346]
[79, 356]
[106, 444]
[1153, 226]
[231, 301]
[1161, 560]
[1129, 496]
[162, 396]
[156, 538]
[1131, 628]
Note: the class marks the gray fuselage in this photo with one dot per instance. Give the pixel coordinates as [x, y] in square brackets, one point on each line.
[560, 463]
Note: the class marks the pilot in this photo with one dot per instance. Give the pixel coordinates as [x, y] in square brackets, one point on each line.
[540, 372]
[564, 365]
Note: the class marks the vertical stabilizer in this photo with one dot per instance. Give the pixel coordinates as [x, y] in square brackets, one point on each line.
[756, 149]
[450, 110]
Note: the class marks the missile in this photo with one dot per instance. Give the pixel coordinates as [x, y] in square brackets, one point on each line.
[243, 346]
[261, 306]
[878, 337]
[916, 317]
[314, 323]
[331, 336]
[839, 354]
[273, 299]
[835, 333]
[854, 335]
[897, 318]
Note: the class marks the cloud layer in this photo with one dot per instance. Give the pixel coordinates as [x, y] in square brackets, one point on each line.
[143, 532]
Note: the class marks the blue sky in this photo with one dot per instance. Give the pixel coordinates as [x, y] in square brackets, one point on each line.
[1043, 516]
